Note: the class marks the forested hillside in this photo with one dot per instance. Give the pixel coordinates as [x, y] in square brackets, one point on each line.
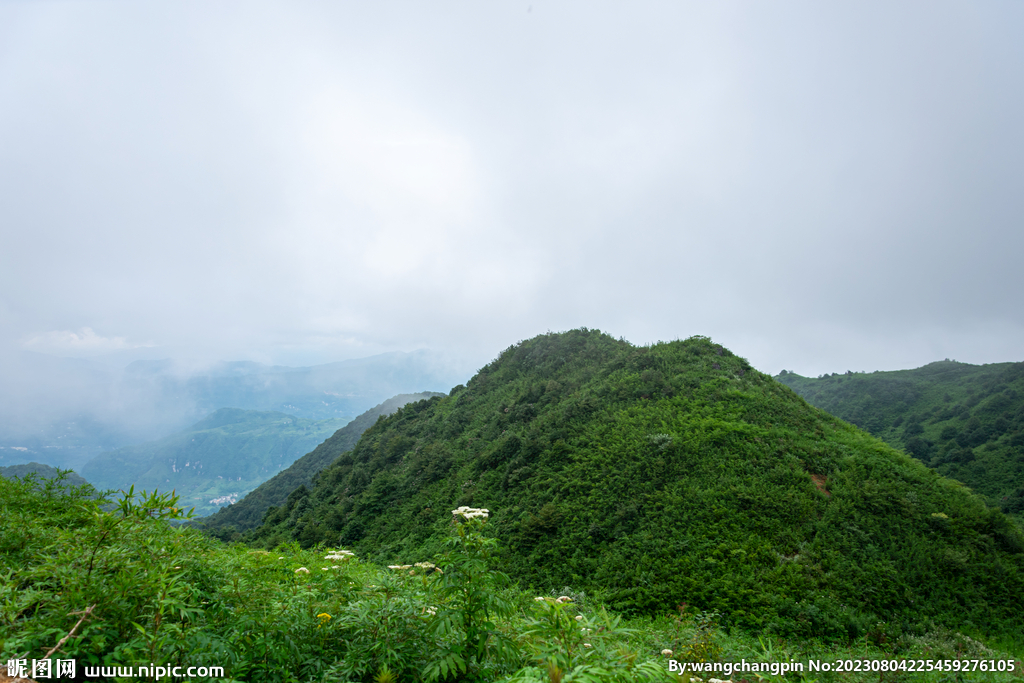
[671, 474]
[248, 512]
[966, 421]
[41, 471]
[215, 462]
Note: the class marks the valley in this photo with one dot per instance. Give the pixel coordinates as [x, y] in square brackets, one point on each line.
[216, 461]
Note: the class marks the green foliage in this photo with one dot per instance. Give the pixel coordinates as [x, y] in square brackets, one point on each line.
[966, 421]
[574, 647]
[702, 646]
[113, 583]
[64, 556]
[671, 474]
[471, 604]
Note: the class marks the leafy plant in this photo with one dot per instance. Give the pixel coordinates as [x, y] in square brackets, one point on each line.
[471, 602]
[702, 646]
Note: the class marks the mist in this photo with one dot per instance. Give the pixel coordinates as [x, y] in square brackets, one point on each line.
[821, 188]
[63, 411]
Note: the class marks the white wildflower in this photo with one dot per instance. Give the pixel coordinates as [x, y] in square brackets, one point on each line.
[666, 652]
[564, 598]
[340, 555]
[586, 645]
[301, 570]
[469, 513]
[579, 617]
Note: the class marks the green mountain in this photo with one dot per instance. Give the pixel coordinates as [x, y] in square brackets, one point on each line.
[671, 474]
[966, 421]
[249, 511]
[42, 471]
[216, 461]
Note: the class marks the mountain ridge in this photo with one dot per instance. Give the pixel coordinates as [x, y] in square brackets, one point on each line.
[669, 474]
[966, 421]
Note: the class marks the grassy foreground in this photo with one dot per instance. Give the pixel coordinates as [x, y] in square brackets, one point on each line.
[158, 593]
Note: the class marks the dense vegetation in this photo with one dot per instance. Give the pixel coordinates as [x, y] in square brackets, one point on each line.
[667, 475]
[113, 584]
[966, 421]
[248, 512]
[216, 461]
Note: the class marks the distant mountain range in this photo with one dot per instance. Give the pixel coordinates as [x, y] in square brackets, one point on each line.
[216, 461]
[319, 392]
[65, 411]
[249, 511]
[966, 421]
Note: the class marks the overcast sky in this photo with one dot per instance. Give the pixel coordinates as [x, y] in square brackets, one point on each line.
[818, 186]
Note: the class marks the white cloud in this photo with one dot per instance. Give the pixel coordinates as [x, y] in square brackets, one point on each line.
[84, 342]
[328, 180]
